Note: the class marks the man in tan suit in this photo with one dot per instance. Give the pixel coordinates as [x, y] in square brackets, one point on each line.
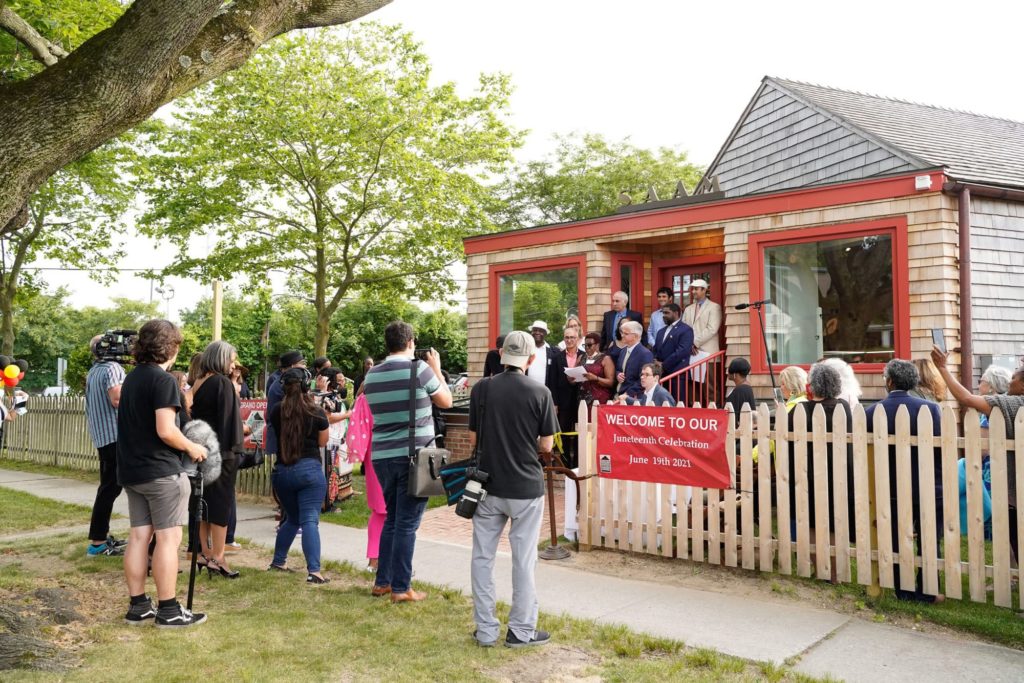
[704, 316]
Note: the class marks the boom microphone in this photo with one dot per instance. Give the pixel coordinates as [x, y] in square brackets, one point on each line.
[740, 307]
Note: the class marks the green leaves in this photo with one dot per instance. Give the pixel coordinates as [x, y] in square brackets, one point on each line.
[583, 177]
[330, 156]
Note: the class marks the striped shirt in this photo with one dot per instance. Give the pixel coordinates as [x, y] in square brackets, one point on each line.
[101, 416]
[386, 388]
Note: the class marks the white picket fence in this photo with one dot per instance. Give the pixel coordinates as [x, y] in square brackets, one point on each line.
[722, 526]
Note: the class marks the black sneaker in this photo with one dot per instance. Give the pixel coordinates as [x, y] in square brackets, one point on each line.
[539, 638]
[116, 542]
[177, 617]
[140, 613]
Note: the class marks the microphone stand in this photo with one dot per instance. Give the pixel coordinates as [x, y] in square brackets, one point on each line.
[764, 338]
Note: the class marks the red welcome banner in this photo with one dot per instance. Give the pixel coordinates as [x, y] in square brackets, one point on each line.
[683, 446]
[254, 414]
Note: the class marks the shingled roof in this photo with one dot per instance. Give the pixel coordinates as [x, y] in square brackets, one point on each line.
[795, 134]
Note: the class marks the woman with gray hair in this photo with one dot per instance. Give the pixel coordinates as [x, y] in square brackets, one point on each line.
[850, 391]
[215, 401]
[825, 386]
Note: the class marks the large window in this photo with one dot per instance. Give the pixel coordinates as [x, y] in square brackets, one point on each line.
[834, 293]
[548, 291]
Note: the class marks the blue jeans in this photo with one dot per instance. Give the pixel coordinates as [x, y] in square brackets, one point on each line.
[301, 488]
[398, 539]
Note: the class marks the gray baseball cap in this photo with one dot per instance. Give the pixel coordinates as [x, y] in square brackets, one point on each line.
[517, 349]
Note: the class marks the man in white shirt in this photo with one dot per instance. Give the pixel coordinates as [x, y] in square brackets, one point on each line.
[540, 370]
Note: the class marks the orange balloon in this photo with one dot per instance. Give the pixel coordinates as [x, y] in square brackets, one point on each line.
[11, 370]
[21, 376]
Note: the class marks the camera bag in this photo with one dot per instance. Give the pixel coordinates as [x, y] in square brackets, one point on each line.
[424, 463]
[454, 475]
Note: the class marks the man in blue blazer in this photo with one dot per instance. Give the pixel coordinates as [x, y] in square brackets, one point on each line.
[613, 319]
[672, 346]
[901, 377]
[633, 356]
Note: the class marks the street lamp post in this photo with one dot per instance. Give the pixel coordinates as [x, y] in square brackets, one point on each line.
[167, 293]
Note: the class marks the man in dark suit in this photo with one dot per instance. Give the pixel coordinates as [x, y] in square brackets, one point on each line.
[901, 376]
[613, 318]
[633, 356]
[492, 363]
[566, 392]
[541, 370]
[672, 347]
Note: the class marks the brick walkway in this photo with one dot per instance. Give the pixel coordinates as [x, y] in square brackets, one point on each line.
[442, 524]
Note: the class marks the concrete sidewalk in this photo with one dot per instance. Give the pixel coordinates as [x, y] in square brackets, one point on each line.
[826, 642]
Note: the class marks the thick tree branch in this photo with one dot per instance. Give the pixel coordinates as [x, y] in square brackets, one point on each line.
[155, 52]
[42, 49]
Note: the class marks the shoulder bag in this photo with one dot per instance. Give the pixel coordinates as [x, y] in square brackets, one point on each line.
[455, 475]
[424, 463]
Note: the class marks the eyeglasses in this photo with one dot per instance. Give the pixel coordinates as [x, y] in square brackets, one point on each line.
[646, 374]
[590, 343]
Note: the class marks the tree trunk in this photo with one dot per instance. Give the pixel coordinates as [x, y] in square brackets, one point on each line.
[156, 51]
[7, 294]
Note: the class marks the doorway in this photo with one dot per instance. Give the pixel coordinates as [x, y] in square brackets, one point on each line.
[677, 274]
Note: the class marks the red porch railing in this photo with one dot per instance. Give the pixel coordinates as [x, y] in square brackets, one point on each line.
[701, 382]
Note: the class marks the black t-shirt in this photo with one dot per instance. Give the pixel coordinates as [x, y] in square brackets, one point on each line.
[518, 410]
[142, 455]
[311, 434]
[741, 394]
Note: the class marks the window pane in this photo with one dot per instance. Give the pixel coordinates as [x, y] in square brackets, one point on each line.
[548, 295]
[831, 298]
[626, 281]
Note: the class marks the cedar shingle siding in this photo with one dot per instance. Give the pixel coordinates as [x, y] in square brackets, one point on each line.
[782, 143]
[997, 264]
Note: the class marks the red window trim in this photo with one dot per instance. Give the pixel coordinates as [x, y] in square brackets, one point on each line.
[533, 266]
[637, 261]
[895, 226]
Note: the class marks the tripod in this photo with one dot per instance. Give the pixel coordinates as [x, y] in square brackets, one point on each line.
[195, 504]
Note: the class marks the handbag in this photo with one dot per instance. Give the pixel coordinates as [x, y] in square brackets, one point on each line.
[249, 459]
[424, 463]
[454, 475]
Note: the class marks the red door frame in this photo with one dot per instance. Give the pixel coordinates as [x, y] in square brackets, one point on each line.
[896, 226]
[499, 269]
[637, 261]
[661, 266]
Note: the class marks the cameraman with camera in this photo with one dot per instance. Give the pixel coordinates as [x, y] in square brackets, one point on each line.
[102, 395]
[512, 417]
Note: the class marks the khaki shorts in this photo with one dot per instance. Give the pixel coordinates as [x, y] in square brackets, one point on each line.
[161, 503]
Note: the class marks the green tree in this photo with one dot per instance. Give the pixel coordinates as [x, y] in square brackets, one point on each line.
[583, 176]
[444, 330]
[74, 219]
[365, 176]
[113, 73]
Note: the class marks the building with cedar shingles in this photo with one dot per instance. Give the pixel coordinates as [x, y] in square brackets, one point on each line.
[867, 222]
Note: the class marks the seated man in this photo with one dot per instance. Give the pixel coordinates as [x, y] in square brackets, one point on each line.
[654, 394]
[633, 356]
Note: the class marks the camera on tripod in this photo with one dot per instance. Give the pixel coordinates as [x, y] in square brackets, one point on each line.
[476, 479]
[117, 346]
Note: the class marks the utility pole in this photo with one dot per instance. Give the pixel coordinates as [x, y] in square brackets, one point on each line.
[218, 309]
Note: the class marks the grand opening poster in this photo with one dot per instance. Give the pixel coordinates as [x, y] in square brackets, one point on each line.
[684, 446]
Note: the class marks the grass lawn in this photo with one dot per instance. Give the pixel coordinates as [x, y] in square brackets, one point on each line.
[25, 512]
[66, 611]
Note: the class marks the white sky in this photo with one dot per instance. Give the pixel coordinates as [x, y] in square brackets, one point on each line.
[674, 73]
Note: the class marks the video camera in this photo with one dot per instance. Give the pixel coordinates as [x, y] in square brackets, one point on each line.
[117, 346]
